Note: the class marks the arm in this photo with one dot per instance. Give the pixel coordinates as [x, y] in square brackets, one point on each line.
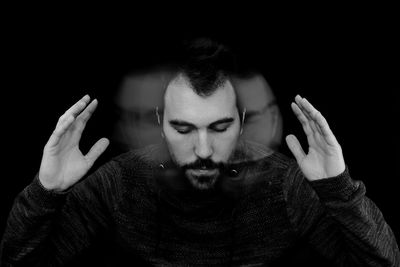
[339, 221]
[48, 228]
[330, 208]
[47, 223]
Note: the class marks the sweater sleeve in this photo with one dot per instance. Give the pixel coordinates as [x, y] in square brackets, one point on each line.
[46, 228]
[339, 221]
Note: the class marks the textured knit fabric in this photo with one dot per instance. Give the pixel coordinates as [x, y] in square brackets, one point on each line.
[148, 217]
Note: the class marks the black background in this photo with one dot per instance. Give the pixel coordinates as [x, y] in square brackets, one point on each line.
[345, 62]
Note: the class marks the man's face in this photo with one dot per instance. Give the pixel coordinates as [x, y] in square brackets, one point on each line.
[201, 131]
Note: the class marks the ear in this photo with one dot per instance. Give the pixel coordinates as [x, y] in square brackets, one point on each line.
[159, 120]
[158, 116]
[276, 124]
[274, 118]
[243, 116]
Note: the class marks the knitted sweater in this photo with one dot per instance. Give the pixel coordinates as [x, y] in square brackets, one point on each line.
[150, 215]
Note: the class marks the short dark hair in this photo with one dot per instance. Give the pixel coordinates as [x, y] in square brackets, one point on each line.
[207, 64]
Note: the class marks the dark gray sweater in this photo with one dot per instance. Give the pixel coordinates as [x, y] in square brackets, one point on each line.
[149, 215]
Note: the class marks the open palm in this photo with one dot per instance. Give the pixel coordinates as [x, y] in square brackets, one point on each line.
[63, 164]
[324, 158]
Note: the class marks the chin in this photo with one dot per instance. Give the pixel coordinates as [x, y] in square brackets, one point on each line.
[202, 183]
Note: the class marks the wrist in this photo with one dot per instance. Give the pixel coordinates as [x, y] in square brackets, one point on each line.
[49, 184]
[42, 197]
[337, 187]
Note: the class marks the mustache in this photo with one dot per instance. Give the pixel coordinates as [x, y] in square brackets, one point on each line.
[204, 164]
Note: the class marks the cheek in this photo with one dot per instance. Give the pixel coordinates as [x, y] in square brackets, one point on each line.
[224, 144]
[180, 146]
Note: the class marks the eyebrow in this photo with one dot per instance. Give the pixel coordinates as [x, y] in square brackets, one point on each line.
[185, 123]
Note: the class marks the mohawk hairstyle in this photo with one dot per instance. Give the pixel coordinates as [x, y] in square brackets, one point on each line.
[207, 64]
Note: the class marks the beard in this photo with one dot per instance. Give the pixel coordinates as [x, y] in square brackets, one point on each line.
[203, 174]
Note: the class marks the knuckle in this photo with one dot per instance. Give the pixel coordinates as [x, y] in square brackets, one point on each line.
[85, 116]
[66, 117]
[80, 127]
[81, 122]
[56, 132]
[62, 118]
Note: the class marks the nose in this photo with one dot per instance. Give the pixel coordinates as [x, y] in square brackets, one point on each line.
[203, 147]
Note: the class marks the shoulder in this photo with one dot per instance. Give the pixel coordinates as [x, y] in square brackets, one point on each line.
[147, 157]
[280, 161]
[137, 168]
[263, 168]
[264, 156]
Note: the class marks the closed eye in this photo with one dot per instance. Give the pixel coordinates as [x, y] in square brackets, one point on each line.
[220, 127]
[183, 129]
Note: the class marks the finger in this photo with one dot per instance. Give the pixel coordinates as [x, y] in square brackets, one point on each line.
[85, 115]
[309, 109]
[60, 131]
[75, 109]
[96, 150]
[313, 126]
[321, 122]
[78, 106]
[295, 147]
[302, 118]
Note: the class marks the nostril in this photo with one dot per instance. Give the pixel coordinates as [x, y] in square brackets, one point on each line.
[203, 147]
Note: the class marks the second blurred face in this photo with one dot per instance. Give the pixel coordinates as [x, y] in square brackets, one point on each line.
[263, 121]
[137, 99]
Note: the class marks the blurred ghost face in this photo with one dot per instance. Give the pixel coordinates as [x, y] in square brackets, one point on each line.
[137, 99]
[263, 121]
[201, 131]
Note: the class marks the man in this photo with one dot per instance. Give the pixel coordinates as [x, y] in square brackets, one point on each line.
[212, 200]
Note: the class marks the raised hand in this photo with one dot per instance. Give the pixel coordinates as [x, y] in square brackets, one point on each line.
[63, 164]
[324, 158]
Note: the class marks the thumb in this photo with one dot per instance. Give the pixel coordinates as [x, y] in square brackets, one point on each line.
[97, 149]
[294, 146]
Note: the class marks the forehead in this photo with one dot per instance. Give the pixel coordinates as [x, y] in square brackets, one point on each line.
[182, 102]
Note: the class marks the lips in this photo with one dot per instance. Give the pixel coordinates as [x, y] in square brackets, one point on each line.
[203, 172]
